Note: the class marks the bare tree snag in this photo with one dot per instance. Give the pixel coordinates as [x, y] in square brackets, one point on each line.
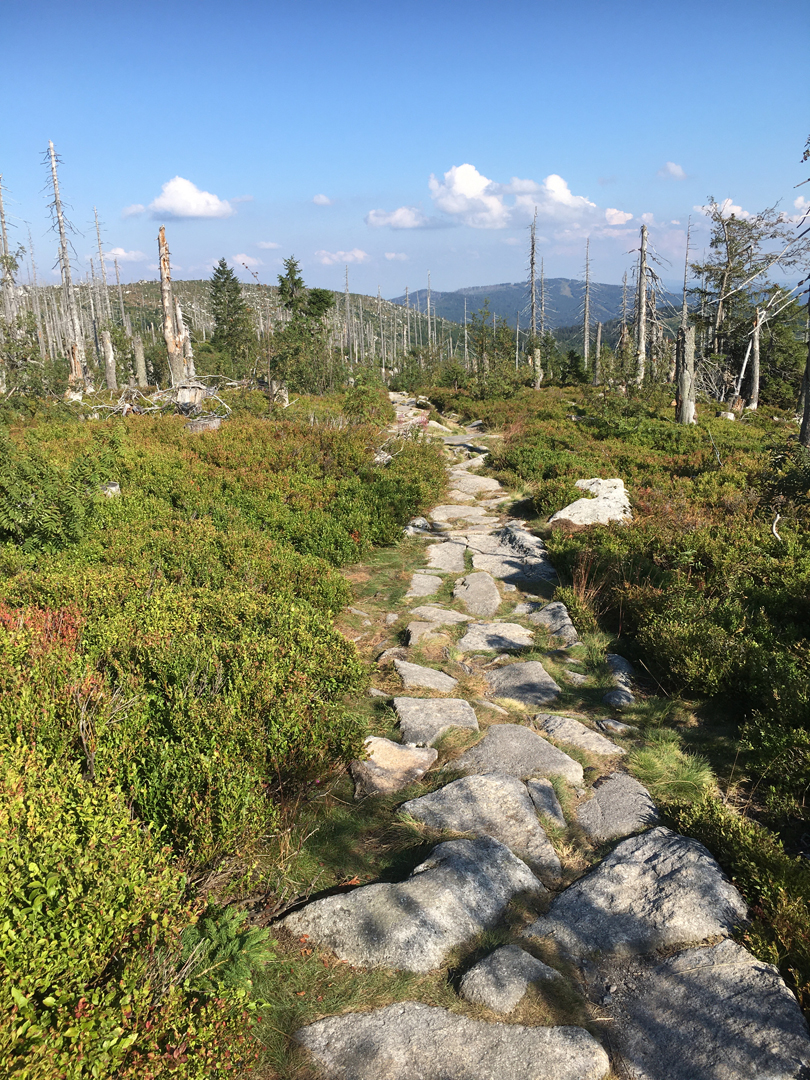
[105, 290]
[109, 360]
[641, 308]
[753, 400]
[75, 344]
[174, 345]
[140, 362]
[597, 360]
[685, 372]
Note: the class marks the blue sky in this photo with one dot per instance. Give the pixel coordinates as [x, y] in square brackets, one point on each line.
[398, 138]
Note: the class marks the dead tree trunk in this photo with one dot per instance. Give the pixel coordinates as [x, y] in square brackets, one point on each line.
[183, 336]
[174, 346]
[641, 308]
[5, 276]
[76, 356]
[105, 290]
[753, 400]
[685, 372]
[109, 360]
[140, 362]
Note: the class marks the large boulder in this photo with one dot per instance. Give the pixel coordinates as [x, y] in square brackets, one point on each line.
[495, 805]
[712, 1013]
[655, 891]
[410, 1041]
[554, 617]
[462, 889]
[517, 751]
[610, 503]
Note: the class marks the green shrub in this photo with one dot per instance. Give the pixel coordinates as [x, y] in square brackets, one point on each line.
[91, 915]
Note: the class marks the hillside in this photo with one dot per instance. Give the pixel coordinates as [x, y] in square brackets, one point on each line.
[563, 301]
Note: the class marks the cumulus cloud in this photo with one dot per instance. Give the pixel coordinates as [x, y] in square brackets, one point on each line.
[329, 258]
[125, 256]
[670, 171]
[246, 260]
[728, 208]
[396, 256]
[617, 217]
[132, 211]
[268, 245]
[180, 198]
[405, 217]
[322, 200]
[466, 194]
[801, 204]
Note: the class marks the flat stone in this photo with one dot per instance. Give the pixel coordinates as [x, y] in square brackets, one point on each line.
[516, 569]
[526, 608]
[713, 1013]
[575, 678]
[414, 675]
[621, 669]
[418, 631]
[555, 618]
[458, 513]
[495, 708]
[616, 727]
[389, 767]
[471, 463]
[391, 618]
[477, 485]
[500, 980]
[657, 890]
[446, 556]
[444, 616]
[462, 889]
[528, 683]
[517, 751]
[396, 652]
[410, 1041]
[423, 585]
[495, 805]
[357, 611]
[479, 594]
[423, 720]
[610, 503]
[620, 806]
[618, 699]
[566, 729]
[456, 496]
[491, 637]
[374, 692]
[545, 800]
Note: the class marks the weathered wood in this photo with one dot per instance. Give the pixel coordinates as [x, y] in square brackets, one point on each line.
[140, 362]
[685, 373]
[75, 344]
[174, 347]
[641, 308]
[109, 360]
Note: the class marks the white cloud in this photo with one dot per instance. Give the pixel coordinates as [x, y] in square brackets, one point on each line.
[405, 217]
[648, 219]
[617, 217]
[246, 260]
[469, 196]
[727, 209]
[322, 200]
[801, 204]
[268, 245]
[180, 198]
[396, 256]
[241, 198]
[670, 171]
[131, 211]
[329, 258]
[125, 256]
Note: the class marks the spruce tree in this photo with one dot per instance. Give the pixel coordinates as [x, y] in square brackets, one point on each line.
[233, 327]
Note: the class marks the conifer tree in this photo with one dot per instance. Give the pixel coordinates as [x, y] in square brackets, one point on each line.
[233, 327]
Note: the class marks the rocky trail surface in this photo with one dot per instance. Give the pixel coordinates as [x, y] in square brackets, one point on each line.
[543, 837]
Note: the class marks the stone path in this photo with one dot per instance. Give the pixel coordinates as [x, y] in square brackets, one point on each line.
[705, 1009]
